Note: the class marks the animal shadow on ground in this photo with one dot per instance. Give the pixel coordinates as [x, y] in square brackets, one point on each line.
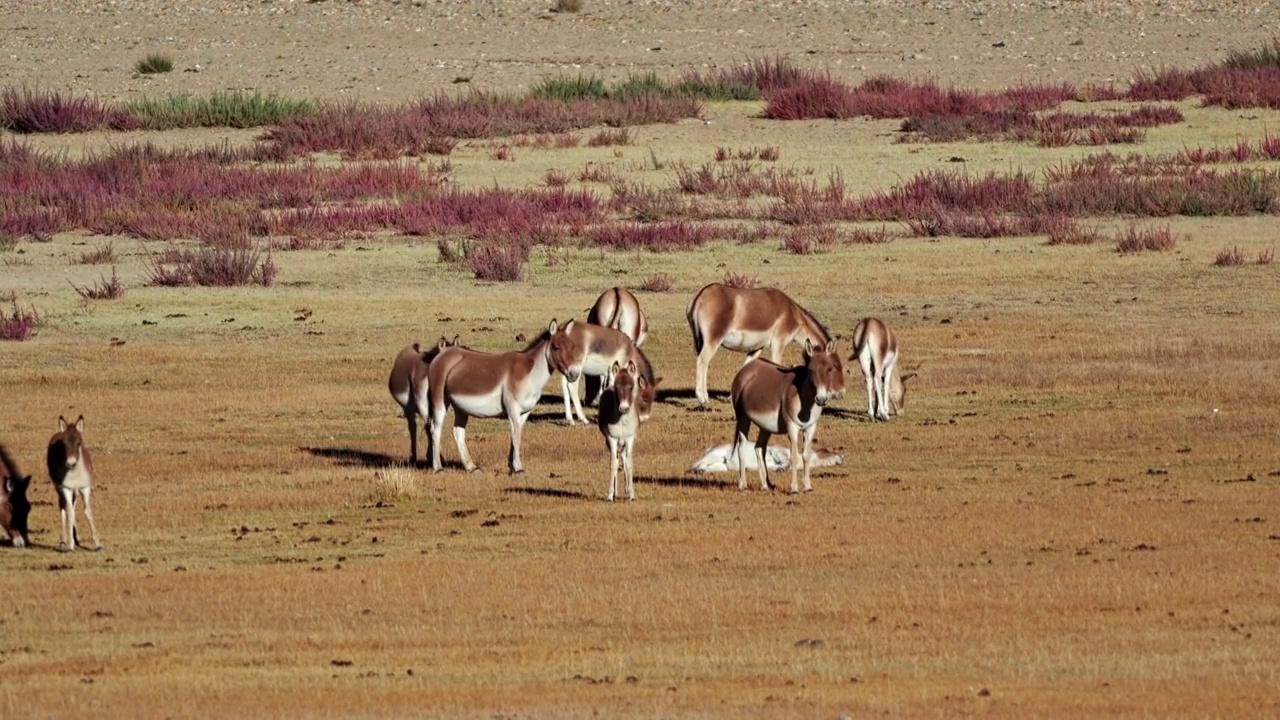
[688, 481]
[670, 395]
[546, 492]
[844, 414]
[350, 457]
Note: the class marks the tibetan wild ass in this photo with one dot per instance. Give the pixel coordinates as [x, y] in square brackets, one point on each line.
[619, 419]
[605, 348]
[619, 309]
[616, 308]
[15, 508]
[723, 458]
[876, 348]
[71, 470]
[408, 386]
[489, 385]
[749, 321]
[779, 399]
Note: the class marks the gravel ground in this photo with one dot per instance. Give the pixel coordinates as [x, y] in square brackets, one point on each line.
[390, 51]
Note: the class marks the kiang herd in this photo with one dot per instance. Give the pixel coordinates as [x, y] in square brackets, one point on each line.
[604, 351]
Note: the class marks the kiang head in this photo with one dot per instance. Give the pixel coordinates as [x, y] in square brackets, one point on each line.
[825, 370]
[564, 355]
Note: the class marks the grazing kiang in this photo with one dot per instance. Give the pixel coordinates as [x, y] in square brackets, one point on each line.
[71, 470]
[15, 508]
[789, 400]
[876, 348]
[723, 458]
[605, 348]
[619, 419]
[618, 308]
[486, 385]
[408, 386]
[748, 320]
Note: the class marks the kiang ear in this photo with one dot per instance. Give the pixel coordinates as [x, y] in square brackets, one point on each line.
[553, 326]
[80, 423]
[808, 347]
[457, 341]
[656, 381]
[615, 369]
[831, 345]
[569, 325]
[631, 366]
[442, 343]
[62, 423]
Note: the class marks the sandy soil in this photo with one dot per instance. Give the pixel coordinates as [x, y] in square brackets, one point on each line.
[390, 51]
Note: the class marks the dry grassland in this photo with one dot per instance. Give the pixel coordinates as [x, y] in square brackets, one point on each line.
[1078, 514]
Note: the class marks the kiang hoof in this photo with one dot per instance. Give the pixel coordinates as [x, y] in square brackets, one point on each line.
[65, 548]
[516, 472]
[100, 548]
[808, 491]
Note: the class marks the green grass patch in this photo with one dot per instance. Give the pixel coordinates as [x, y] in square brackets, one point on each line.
[154, 63]
[235, 109]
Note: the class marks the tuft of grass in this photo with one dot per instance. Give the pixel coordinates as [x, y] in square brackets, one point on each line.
[102, 288]
[394, 483]
[638, 86]
[212, 267]
[18, 324]
[1134, 239]
[556, 178]
[656, 283]
[1266, 257]
[566, 6]
[154, 64]
[605, 138]
[568, 89]
[740, 280]
[100, 255]
[1230, 256]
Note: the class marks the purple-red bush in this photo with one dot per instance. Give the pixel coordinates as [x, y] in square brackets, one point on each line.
[496, 262]
[35, 111]
[740, 280]
[1230, 256]
[1134, 239]
[658, 282]
[18, 324]
[656, 237]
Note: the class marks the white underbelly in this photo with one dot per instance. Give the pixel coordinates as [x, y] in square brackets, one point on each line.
[484, 406]
[746, 340]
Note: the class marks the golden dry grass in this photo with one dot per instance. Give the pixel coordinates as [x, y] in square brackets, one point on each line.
[1076, 516]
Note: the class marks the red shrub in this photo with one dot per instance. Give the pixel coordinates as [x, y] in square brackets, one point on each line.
[1230, 256]
[1134, 239]
[740, 280]
[657, 237]
[496, 262]
[660, 282]
[18, 324]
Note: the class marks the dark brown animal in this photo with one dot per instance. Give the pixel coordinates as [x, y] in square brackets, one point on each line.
[619, 420]
[15, 508]
[71, 470]
[788, 400]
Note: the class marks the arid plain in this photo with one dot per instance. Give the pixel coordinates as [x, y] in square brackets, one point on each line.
[1077, 515]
